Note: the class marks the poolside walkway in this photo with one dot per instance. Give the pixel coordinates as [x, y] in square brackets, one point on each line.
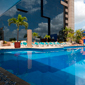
[7, 78]
[8, 47]
[42, 47]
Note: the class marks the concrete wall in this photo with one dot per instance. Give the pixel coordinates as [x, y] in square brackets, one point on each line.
[71, 14]
[68, 13]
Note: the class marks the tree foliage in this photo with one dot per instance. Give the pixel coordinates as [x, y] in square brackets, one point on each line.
[19, 21]
[12, 39]
[67, 31]
[47, 36]
[70, 37]
[74, 36]
[34, 34]
[78, 35]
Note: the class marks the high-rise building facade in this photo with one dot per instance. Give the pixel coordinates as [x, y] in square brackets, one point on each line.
[68, 13]
[1, 34]
[54, 13]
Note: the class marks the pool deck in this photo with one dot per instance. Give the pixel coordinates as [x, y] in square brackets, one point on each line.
[12, 47]
[43, 47]
[12, 77]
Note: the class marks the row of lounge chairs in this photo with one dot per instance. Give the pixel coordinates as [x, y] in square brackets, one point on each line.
[40, 44]
[48, 44]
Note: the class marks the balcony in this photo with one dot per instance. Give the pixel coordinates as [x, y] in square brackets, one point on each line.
[64, 4]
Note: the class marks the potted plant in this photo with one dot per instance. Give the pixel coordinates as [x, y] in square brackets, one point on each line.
[5, 43]
[19, 21]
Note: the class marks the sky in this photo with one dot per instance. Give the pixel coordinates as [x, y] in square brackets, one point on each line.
[36, 22]
[79, 8]
[6, 5]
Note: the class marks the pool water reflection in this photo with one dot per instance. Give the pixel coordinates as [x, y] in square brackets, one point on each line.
[58, 67]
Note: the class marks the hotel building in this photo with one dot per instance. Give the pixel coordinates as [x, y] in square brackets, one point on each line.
[68, 13]
[44, 17]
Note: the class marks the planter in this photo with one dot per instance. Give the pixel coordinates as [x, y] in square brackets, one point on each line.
[5, 44]
[9, 43]
[17, 45]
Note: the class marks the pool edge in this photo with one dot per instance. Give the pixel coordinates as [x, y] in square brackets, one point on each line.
[13, 77]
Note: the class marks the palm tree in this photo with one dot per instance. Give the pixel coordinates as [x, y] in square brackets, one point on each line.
[19, 21]
[78, 35]
[67, 31]
[71, 30]
[47, 36]
[70, 37]
[34, 34]
[12, 39]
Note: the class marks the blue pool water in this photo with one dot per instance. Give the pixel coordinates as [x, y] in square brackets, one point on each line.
[64, 66]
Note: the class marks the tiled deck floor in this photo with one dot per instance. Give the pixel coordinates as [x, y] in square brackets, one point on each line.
[42, 47]
[6, 76]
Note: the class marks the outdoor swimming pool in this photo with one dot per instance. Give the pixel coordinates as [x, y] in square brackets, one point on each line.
[62, 66]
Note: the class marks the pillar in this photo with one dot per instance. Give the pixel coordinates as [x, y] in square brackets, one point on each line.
[29, 38]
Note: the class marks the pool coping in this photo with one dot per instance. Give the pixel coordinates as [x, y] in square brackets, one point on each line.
[13, 77]
[43, 48]
[46, 47]
[38, 49]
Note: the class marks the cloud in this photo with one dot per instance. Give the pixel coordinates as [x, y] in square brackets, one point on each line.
[34, 9]
[22, 32]
[11, 12]
[83, 28]
[42, 29]
[79, 6]
[56, 25]
[7, 33]
[31, 5]
[11, 34]
[6, 29]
